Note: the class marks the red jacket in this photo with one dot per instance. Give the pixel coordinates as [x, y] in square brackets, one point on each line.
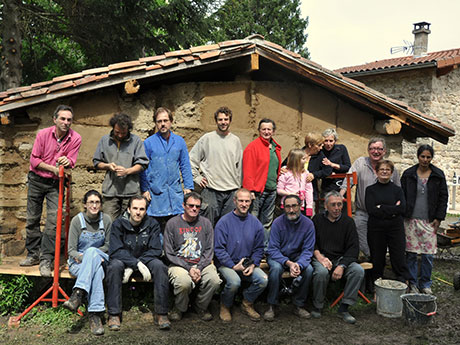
[256, 158]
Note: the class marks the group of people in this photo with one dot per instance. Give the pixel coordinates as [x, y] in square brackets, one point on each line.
[150, 221]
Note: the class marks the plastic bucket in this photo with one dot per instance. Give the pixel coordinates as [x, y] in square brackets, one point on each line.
[388, 294]
[419, 309]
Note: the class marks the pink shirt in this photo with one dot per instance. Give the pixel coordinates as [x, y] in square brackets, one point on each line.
[289, 183]
[47, 149]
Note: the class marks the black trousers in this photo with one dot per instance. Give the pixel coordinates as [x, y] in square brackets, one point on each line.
[394, 239]
[160, 280]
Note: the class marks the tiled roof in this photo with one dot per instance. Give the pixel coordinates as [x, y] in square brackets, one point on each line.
[441, 59]
[153, 66]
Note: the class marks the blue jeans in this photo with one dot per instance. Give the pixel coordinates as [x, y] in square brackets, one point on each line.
[263, 207]
[258, 282]
[90, 276]
[300, 294]
[426, 266]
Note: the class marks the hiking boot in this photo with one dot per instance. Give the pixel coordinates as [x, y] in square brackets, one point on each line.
[45, 268]
[225, 314]
[248, 309]
[95, 324]
[175, 314]
[30, 260]
[269, 315]
[75, 299]
[347, 317]
[427, 291]
[204, 315]
[413, 288]
[316, 313]
[114, 322]
[162, 321]
[302, 313]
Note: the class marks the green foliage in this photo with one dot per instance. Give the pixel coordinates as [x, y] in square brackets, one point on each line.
[279, 21]
[14, 291]
[59, 317]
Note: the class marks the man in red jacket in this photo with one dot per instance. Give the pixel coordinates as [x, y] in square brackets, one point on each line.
[261, 167]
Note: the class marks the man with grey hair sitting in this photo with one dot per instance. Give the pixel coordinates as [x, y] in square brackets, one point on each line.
[335, 255]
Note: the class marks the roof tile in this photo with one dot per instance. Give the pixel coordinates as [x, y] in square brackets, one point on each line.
[33, 93]
[204, 48]
[152, 67]
[188, 58]
[273, 45]
[102, 76]
[96, 70]
[127, 70]
[178, 53]
[85, 80]
[18, 89]
[168, 62]
[437, 57]
[67, 77]
[3, 94]
[12, 98]
[124, 64]
[152, 58]
[209, 55]
[42, 83]
[355, 82]
[59, 86]
[231, 43]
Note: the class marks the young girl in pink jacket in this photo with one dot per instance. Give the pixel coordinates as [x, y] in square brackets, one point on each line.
[294, 181]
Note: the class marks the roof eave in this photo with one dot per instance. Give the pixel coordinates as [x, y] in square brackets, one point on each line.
[390, 69]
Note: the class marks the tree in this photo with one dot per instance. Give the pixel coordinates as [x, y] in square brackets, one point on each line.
[11, 65]
[279, 21]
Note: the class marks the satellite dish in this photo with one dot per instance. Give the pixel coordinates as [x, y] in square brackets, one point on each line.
[407, 48]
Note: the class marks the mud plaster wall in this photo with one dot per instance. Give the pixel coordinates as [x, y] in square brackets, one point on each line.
[296, 109]
[435, 96]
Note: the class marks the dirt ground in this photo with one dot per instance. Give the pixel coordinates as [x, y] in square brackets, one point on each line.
[138, 328]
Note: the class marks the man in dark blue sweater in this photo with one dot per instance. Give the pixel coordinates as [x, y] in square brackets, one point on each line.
[292, 240]
[335, 255]
[239, 247]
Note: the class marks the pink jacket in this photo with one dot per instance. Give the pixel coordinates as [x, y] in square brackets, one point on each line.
[287, 182]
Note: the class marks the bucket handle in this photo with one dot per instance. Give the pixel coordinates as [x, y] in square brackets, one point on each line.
[427, 314]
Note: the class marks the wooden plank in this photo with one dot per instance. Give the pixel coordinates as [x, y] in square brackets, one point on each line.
[254, 62]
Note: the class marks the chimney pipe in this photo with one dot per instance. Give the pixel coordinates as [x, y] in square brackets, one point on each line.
[421, 32]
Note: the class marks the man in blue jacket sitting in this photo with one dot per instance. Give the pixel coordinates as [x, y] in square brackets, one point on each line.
[291, 245]
[135, 245]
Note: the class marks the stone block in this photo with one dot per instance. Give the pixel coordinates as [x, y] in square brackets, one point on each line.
[14, 247]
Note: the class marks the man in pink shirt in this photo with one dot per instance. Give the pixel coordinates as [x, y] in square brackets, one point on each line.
[54, 146]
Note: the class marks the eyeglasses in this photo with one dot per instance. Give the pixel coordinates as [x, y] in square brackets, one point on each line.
[94, 202]
[380, 149]
[193, 206]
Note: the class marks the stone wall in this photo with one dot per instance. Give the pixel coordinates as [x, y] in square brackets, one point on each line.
[296, 109]
[436, 96]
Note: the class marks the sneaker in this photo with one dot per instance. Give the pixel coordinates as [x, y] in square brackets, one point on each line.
[95, 324]
[175, 314]
[302, 313]
[204, 315]
[45, 268]
[162, 322]
[114, 323]
[427, 291]
[225, 314]
[248, 309]
[269, 315]
[75, 299]
[347, 317]
[413, 288]
[315, 313]
[30, 260]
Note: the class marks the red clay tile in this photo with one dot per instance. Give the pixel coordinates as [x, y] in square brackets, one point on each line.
[67, 77]
[124, 64]
[13, 97]
[209, 55]
[127, 70]
[102, 76]
[3, 94]
[59, 86]
[447, 126]
[85, 80]
[167, 63]
[152, 67]
[96, 70]
[178, 53]
[42, 83]
[188, 58]
[152, 58]
[293, 54]
[355, 82]
[32, 93]
[273, 45]
[398, 102]
[18, 89]
[231, 43]
[204, 48]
